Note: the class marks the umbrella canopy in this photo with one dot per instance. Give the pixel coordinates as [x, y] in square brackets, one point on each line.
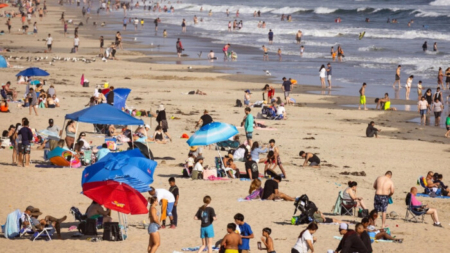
[212, 133]
[49, 134]
[116, 196]
[33, 72]
[120, 97]
[130, 167]
[3, 5]
[104, 114]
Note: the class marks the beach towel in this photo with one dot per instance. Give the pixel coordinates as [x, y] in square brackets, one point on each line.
[337, 205]
[214, 178]
[164, 209]
[255, 194]
[198, 247]
[428, 196]
[12, 226]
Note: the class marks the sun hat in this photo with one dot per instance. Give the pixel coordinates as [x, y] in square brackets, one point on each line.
[161, 107]
[193, 148]
[147, 126]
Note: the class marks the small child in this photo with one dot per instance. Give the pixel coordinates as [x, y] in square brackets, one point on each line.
[232, 240]
[267, 241]
[164, 33]
[301, 50]
[190, 162]
[279, 54]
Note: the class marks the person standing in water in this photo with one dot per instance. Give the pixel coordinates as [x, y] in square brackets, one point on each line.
[333, 53]
[266, 54]
[298, 37]
[279, 54]
[419, 90]
[179, 47]
[424, 46]
[397, 77]
[440, 79]
[270, 37]
[183, 26]
[435, 47]
[408, 86]
[362, 96]
[329, 72]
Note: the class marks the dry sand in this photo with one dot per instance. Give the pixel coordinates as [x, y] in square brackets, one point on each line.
[339, 140]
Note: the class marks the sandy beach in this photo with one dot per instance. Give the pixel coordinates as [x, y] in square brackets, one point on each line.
[317, 123]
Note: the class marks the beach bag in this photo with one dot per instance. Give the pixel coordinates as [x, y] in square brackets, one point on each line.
[111, 232]
[363, 213]
[238, 103]
[86, 84]
[91, 227]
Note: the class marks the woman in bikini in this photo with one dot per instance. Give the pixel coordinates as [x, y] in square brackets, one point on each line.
[154, 240]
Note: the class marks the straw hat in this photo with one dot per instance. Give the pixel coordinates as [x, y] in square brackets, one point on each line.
[193, 148]
[161, 107]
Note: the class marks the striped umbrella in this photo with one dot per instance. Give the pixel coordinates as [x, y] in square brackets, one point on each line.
[212, 133]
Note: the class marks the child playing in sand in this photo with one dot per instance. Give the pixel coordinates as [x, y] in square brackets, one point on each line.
[207, 215]
[267, 241]
[232, 240]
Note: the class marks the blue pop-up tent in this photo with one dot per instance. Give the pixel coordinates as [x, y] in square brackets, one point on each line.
[104, 114]
[120, 97]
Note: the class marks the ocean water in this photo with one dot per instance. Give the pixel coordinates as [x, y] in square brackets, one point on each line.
[372, 60]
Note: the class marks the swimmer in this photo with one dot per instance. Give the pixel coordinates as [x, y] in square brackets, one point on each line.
[362, 97]
[279, 54]
[298, 37]
[229, 26]
[165, 33]
[263, 25]
[333, 53]
[302, 49]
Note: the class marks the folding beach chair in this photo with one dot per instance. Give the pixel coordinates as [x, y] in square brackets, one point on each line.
[347, 205]
[45, 233]
[416, 216]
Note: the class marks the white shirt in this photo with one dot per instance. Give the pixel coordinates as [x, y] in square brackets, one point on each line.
[136, 21]
[76, 41]
[239, 154]
[56, 100]
[190, 162]
[49, 40]
[323, 73]
[301, 246]
[437, 106]
[198, 167]
[281, 110]
[423, 104]
[164, 194]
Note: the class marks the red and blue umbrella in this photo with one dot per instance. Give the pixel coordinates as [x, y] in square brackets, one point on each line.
[116, 196]
[130, 167]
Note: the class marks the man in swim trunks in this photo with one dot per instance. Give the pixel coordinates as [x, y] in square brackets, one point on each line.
[232, 240]
[384, 189]
[298, 37]
[270, 37]
[266, 54]
[362, 97]
[397, 77]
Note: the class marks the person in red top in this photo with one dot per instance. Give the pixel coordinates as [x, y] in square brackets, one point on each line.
[270, 93]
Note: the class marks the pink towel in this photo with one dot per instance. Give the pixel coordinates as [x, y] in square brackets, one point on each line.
[214, 178]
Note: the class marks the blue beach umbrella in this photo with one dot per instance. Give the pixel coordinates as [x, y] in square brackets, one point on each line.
[3, 63]
[212, 133]
[129, 167]
[33, 72]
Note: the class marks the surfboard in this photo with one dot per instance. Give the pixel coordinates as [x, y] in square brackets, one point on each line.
[361, 35]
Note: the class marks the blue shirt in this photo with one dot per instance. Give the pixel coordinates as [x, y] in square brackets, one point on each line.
[246, 230]
[102, 153]
[255, 153]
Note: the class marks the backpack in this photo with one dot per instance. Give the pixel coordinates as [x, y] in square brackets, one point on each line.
[111, 232]
[90, 227]
[238, 103]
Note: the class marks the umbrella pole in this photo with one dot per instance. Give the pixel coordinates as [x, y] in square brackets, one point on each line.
[76, 131]
[131, 135]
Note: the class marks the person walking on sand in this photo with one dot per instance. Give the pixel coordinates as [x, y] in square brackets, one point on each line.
[384, 189]
[179, 47]
[207, 215]
[154, 240]
[362, 96]
[287, 87]
[266, 54]
[49, 43]
[76, 43]
[397, 77]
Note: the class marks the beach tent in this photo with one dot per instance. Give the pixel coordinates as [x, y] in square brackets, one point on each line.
[33, 72]
[120, 97]
[3, 63]
[104, 114]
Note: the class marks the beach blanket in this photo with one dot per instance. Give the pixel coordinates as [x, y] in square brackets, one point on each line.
[428, 196]
[48, 166]
[12, 226]
[198, 247]
[214, 178]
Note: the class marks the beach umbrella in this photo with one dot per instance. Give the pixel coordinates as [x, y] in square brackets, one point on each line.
[130, 167]
[3, 63]
[49, 134]
[116, 196]
[33, 72]
[3, 5]
[212, 133]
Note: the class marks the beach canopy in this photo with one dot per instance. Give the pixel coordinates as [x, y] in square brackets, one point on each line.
[33, 72]
[120, 97]
[3, 63]
[212, 133]
[104, 114]
[116, 196]
[130, 167]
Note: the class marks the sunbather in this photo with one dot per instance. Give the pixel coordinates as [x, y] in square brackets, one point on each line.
[320, 218]
[380, 234]
[39, 225]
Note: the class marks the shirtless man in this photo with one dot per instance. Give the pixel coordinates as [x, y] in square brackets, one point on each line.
[384, 189]
[232, 240]
[274, 148]
[362, 97]
[397, 77]
[298, 37]
[95, 210]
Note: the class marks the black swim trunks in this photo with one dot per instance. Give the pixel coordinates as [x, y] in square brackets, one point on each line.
[380, 203]
[397, 77]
